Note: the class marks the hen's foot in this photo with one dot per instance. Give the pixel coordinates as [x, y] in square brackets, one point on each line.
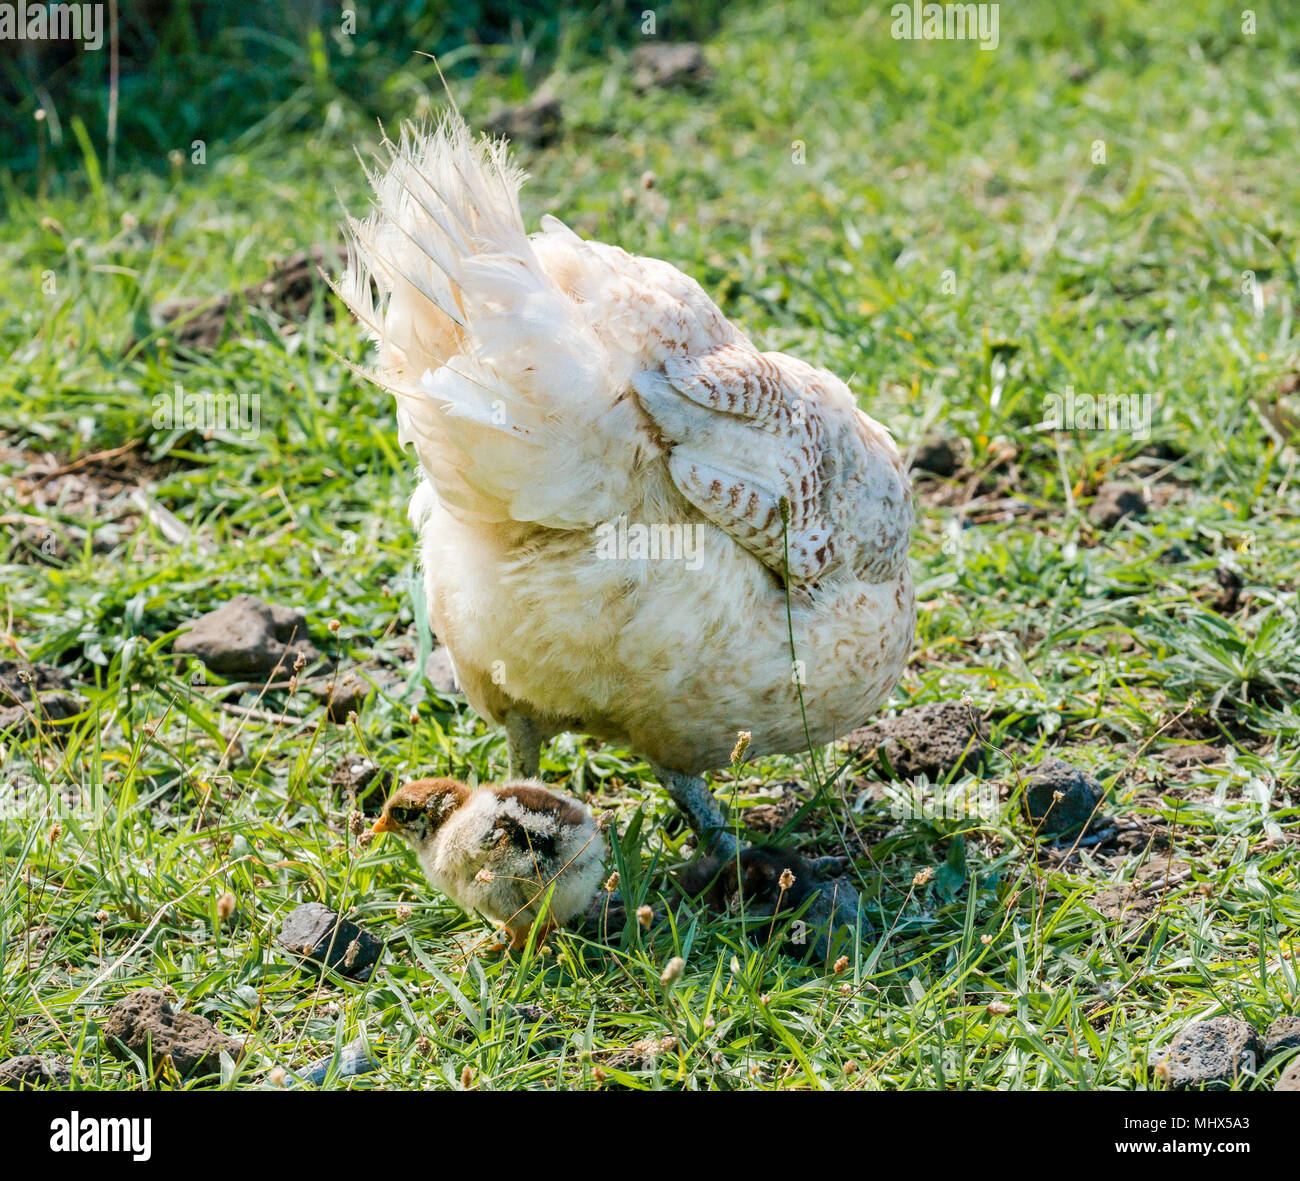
[833, 919]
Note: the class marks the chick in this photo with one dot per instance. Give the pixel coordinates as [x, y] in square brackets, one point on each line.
[497, 849]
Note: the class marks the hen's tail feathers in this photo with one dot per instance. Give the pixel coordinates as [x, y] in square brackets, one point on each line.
[500, 381]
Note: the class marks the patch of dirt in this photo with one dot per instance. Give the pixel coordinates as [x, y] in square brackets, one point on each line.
[32, 693]
[289, 291]
[52, 507]
[1117, 502]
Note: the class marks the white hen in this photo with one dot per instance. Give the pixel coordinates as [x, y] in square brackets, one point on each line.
[562, 393]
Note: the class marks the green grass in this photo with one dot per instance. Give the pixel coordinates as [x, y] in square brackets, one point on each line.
[949, 242]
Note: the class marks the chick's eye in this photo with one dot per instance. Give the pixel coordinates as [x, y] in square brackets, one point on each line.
[401, 815]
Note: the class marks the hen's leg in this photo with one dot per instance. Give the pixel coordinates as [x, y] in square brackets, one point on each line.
[692, 795]
[524, 745]
[835, 904]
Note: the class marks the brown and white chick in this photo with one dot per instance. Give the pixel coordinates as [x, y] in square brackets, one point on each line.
[497, 849]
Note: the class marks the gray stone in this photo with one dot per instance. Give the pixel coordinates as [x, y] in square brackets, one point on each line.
[144, 1024]
[248, 638]
[28, 1073]
[317, 933]
[1290, 1078]
[1282, 1035]
[1210, 1054]
[1080, 793]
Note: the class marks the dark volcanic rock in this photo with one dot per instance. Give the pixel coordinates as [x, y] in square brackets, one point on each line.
[931, 740]
[248, 638]
[1080, 793]
[28, 1072]
[1282, 1035]
[317, 933]
[1114, 502]
[537, 121]
[664, 64]
[1290, 1078]
[1210, 1054]
[144, 1024]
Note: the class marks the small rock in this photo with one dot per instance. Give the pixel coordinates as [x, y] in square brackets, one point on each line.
[317, 933]
[1282, 1035]
[1080, 801]
[145, 1025]
[28, 1073]
[1114, 502]
[340, 696]
[352, 1060]
[1210, 1054]
[932, 740]
[1290, 1078]
[937, 456]
[248, 638]
[537, 122]
[438, 671]
[662, 64]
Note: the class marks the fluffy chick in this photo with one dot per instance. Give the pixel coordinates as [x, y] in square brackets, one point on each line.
[497, 849]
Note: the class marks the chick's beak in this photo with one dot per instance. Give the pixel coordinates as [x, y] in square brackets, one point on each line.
[382, 825]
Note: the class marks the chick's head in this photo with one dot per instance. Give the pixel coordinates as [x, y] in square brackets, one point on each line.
[417, 810]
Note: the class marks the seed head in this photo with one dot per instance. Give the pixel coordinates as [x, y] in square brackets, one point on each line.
[742, 745]
[672, 972]
[645, 916]
[611, 883]
[786, 879]
[225, 906]
[841, 964]
[922, 877]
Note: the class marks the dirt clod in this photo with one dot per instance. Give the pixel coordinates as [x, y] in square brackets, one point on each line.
[144, 1024]
[29, 1072]
[932, 740]
[248, 638]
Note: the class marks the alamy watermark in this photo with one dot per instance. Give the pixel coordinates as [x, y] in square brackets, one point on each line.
[53, 22]
[958, 801]
[236, 414]
[945, 22]
[637, 542]
[1129, 413]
